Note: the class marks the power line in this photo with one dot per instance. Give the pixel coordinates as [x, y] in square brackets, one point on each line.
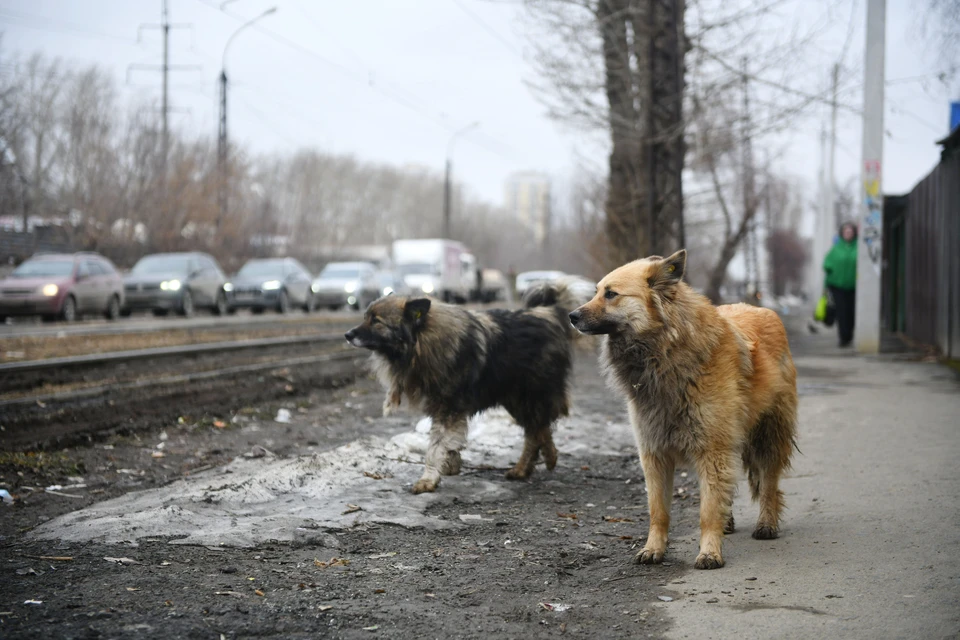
[43, 23]
[486, 27]
[349, 74]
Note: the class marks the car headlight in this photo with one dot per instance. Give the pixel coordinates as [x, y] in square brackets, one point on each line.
[351, 300]
[50, 290]
[427, 287]
[170, 285]
[350, 287]
[227, 286]
[314, 287]
[270, 285]
[387, 291]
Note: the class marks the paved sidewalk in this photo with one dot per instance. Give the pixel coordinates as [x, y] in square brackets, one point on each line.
[869, 547]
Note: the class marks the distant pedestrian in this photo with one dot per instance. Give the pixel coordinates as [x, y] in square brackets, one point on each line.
[840, 266]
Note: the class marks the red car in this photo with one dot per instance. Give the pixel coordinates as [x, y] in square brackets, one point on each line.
[64, 286]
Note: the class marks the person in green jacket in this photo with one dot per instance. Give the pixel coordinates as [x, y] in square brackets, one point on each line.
[840, 266]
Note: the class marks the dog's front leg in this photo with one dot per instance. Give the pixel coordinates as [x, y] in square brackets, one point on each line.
[392, 400]
[447, 437]
[658, 476]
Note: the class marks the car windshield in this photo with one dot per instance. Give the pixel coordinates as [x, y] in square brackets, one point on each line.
[162, 264]
[262, 269]
[42, 268]
[417, 269]
[340, 272]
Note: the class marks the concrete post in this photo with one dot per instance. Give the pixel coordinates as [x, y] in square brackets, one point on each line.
[870, 249]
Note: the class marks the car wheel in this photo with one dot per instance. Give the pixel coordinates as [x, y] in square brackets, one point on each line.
[69, 311]
[186, 304]
[310, 305]
[283, 304]
[257, 310]
[125, 313]
[222, 307]
[113, 308]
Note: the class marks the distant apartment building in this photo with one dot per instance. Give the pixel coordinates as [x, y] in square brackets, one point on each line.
[527, 198]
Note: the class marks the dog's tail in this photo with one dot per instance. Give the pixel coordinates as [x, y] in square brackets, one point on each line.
[564, 294]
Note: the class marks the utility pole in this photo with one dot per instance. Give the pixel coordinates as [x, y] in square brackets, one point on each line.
[165, 68]
[165, 108]
[870, 249]
[446, 200]
[222, 190]
[223, 143]
[447, 184]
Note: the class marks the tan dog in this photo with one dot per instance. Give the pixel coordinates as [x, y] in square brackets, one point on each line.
[714, 386]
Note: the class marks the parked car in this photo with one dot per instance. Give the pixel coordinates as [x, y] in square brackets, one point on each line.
[391, 282]
[181, 282]
[64, 286]
[275, 283]
[494, 286]
[351, 284]
[528, 278]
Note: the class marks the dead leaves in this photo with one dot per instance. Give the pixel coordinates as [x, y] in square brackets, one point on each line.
[613, 519]
[332, 562]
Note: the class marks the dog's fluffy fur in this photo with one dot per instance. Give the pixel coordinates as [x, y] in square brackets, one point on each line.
[453, 363]
[714, 386]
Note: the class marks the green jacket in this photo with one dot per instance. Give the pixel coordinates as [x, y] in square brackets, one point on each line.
[841, 265]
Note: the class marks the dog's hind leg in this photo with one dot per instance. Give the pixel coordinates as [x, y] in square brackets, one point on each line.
[443, 453]
[771, 445]
[528, 458]
[548, 449]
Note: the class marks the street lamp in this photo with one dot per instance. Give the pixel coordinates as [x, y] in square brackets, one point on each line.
[446, 181]
[222, 143]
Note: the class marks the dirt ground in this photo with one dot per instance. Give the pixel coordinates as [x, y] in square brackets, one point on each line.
[566, 540]
[22, 348]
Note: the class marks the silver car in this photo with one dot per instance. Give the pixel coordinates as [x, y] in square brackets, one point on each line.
[271, 283]
[346, 284]
[181, 282]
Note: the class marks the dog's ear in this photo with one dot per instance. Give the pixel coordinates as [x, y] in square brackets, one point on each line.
[415, 310]
[667, 272]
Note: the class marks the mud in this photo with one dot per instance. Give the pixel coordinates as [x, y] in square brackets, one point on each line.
[510, 568]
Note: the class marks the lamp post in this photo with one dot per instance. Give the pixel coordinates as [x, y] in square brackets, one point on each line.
[222, 141]
[446, 180]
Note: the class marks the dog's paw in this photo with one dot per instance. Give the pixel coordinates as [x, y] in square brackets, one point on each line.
[387, 409]
[550, 457]
[765, 532]
[731, 526]
[650, 556]
[517, 474]
[708, 561]
[451, 464]
[425, 485]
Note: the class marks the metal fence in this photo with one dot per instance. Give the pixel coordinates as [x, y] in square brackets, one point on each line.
[921, 287]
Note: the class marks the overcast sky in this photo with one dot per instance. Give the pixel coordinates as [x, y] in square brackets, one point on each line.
[388, 80]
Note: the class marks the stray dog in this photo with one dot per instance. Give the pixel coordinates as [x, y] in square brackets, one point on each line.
[703, 384]
[453, 363]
